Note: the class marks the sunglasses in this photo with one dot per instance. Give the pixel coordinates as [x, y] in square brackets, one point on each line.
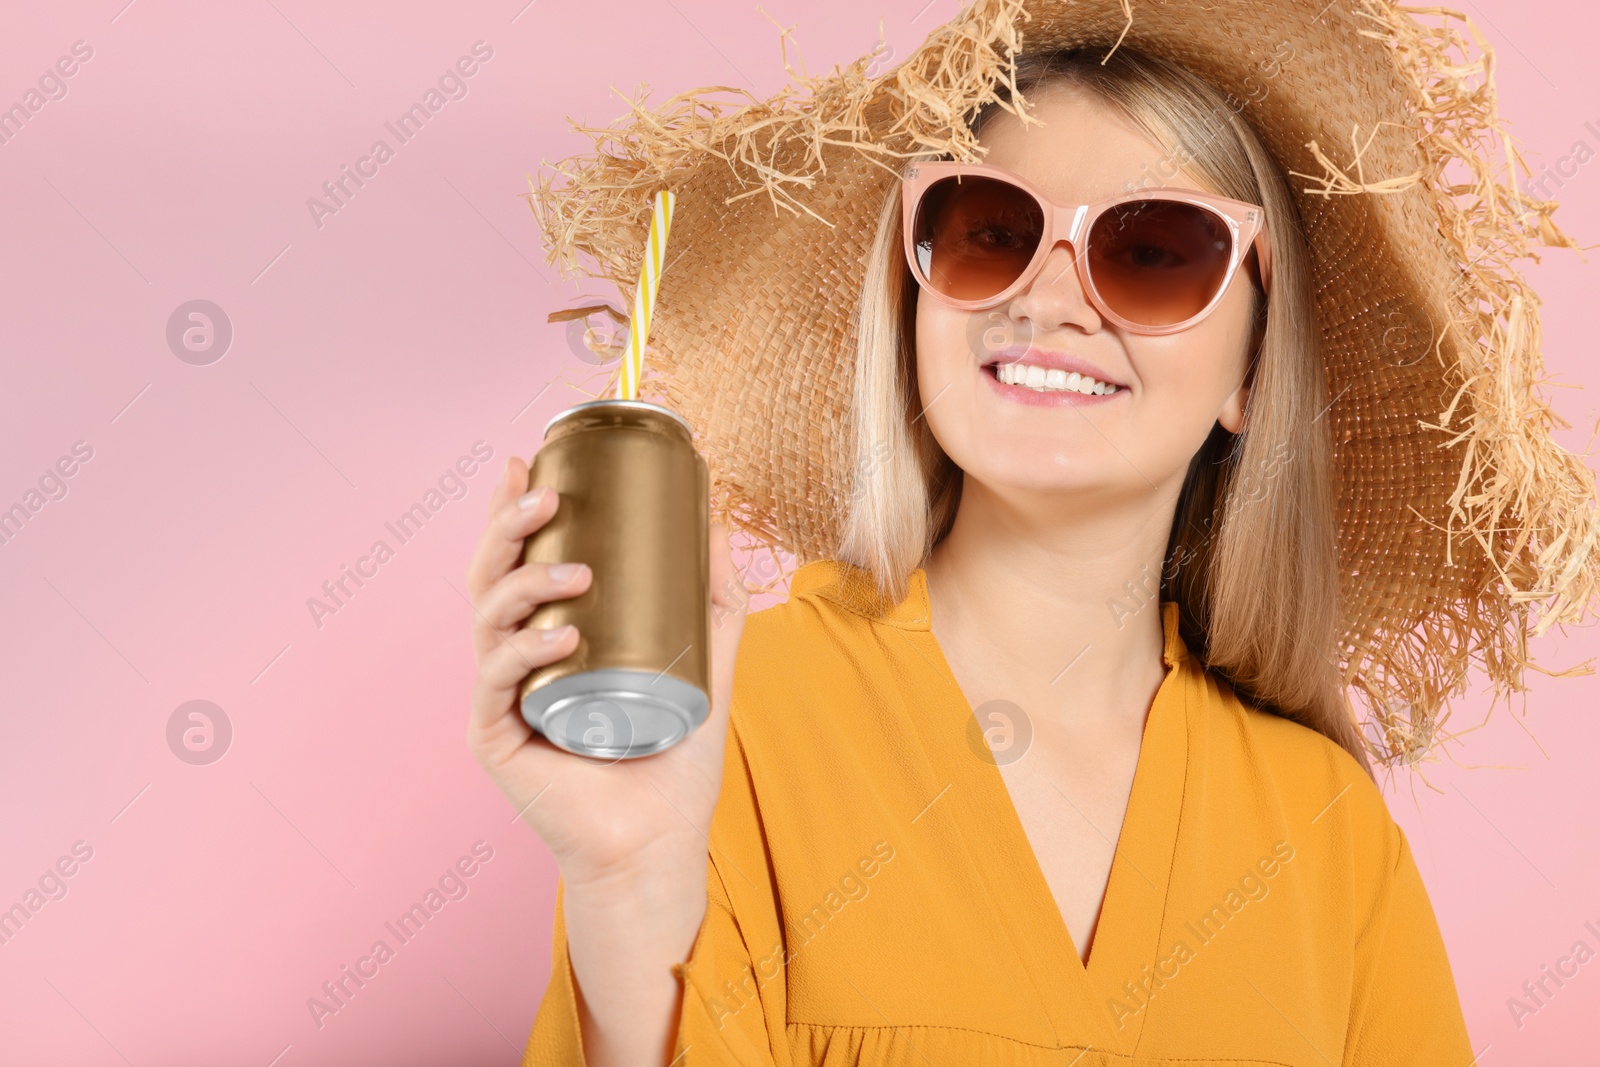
[1154, 261]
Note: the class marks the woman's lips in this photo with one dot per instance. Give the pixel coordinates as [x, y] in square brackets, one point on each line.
[1021, 394]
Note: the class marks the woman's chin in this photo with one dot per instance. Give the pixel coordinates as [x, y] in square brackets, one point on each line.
[1032, 472]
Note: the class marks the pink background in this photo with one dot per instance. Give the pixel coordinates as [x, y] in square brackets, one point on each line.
[368, 356]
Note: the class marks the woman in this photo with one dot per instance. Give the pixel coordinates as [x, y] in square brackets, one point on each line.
[1049, 762]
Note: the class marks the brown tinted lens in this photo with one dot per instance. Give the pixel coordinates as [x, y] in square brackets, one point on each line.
[1158, 262]
[975, 236]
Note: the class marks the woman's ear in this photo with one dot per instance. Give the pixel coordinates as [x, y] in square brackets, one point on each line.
[1231, 417]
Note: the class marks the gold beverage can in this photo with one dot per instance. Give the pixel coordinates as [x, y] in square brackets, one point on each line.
[633, 505]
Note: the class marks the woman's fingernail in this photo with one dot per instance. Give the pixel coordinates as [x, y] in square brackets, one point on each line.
[553, 634]
[528, 501]
[565, 572]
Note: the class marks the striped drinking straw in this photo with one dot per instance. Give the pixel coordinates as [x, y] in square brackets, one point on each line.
[644, 296]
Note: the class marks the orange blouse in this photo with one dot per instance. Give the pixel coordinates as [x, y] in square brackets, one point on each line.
[873, 898]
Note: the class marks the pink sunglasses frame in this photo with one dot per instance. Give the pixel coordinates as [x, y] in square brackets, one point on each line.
[1069, 222]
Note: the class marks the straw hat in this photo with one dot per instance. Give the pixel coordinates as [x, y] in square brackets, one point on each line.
[1463, 526]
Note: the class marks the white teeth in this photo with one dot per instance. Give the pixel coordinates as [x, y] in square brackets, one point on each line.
[1050, 380]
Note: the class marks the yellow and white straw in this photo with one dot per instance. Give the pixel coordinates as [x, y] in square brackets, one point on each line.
[644, 296]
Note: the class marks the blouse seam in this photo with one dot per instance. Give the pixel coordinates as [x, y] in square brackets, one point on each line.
[842, 604]
[1172, 860]
[1358, 1011]
[834, 593]
[1060, 1047]
[737, 739]
[934, 1026]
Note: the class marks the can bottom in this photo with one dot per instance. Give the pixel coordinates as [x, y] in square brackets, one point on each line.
[615, 713]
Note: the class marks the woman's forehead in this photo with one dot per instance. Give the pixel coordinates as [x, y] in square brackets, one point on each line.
[1081, 149]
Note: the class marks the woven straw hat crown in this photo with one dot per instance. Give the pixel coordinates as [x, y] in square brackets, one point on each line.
[1463, 526]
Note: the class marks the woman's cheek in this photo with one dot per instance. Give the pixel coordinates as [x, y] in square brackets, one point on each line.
[940, 333]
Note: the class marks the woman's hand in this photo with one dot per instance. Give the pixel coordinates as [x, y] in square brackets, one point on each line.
[629, 836]
[600, 819]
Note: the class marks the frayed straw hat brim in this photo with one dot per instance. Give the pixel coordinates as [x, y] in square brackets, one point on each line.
[1464, 528]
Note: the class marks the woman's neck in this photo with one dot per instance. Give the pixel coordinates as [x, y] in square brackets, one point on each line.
[1050, 605]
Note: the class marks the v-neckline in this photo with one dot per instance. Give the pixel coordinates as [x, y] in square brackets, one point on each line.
[1127, 932]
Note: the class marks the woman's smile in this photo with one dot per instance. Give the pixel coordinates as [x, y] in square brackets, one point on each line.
[1049, 379]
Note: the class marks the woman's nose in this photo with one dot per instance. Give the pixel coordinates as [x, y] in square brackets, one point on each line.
[1055, 296]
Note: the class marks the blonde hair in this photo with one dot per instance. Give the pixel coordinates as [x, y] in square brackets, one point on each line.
[1251, 560]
